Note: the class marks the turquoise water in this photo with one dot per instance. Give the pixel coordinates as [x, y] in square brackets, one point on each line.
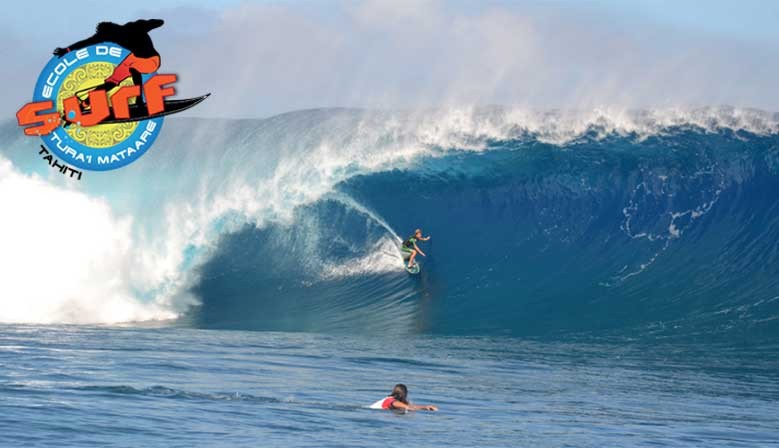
[77, 386]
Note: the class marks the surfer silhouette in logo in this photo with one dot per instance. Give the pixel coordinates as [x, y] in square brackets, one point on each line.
[134, 37]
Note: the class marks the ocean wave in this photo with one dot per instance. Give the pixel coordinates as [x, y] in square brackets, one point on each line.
[295, 219]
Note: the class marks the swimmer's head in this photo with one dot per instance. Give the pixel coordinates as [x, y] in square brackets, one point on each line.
[400, 393]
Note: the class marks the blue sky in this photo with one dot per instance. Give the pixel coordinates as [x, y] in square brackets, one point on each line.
[743, 19]
[409, 53]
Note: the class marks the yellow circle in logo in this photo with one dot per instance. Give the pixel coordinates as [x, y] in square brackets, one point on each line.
[79, 82]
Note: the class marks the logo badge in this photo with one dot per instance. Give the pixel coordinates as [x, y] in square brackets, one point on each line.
[100, 104]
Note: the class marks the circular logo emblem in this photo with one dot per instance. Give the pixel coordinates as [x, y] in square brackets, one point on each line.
[104, 146]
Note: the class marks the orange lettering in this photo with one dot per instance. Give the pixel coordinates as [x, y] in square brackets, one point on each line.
[155, 93]
[120, 103]
[28, 115]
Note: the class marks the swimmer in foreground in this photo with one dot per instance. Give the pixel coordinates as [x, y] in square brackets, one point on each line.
[398, 400]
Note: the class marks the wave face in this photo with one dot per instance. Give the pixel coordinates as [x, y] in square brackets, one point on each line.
[653, 222]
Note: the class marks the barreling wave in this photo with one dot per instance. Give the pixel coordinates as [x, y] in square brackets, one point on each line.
[661, 222]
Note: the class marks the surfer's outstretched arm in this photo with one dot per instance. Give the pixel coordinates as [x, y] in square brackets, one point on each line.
[94, 39]
[147, 25]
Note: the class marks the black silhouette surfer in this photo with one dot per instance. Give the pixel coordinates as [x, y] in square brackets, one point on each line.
[134, 37]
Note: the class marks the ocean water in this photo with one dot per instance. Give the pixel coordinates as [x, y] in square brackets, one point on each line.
[593, 279]
[106, 386]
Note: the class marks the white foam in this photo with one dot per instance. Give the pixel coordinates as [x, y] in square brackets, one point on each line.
[383, 257]
[66, 258]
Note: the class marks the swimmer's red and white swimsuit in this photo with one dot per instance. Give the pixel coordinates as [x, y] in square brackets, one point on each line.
[384, 403]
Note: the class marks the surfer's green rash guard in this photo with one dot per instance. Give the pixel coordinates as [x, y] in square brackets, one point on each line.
[409, 243]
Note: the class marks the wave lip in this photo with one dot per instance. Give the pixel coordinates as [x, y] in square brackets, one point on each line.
[471, 127]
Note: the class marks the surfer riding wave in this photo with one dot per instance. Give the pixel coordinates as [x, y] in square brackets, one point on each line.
[134, 37]
[410, 248]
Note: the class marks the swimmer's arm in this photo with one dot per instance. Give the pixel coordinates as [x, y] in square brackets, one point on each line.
[414, 407]
[423, 407]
